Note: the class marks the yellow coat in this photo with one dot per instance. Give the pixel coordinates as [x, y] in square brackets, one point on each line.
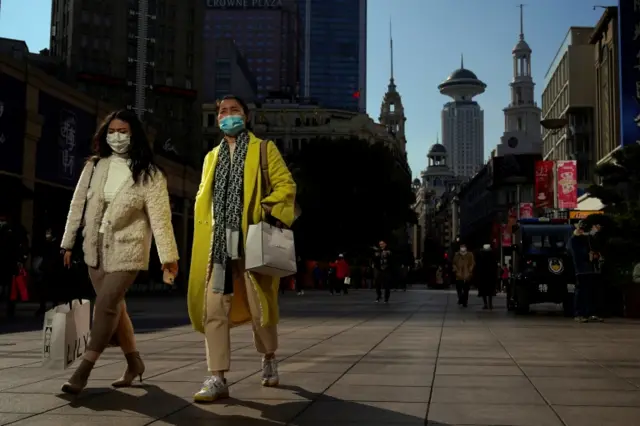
[282, 202]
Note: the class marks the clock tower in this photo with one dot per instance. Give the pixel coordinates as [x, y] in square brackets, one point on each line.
[522, 117]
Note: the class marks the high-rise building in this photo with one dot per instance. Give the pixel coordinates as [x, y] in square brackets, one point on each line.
[266, 34]
[463, 122]
[522, 116]
[569, 94]
[140, 54]
[334, 61]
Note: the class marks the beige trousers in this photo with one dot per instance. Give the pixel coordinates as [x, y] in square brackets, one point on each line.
[107, 313]
[218, 321]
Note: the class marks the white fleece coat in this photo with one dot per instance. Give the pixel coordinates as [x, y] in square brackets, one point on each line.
[137, 212]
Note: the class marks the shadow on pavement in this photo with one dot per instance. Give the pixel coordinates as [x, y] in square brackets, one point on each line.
[170, 409]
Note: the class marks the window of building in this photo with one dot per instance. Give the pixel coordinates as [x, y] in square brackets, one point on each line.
[169, 80]
[187, 83]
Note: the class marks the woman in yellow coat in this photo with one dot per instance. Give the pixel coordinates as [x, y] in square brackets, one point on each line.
[221, 293]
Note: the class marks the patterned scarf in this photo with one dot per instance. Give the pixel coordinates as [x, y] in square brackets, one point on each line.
[227, 208]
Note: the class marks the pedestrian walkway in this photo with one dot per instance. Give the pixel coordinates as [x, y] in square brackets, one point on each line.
[348, 361]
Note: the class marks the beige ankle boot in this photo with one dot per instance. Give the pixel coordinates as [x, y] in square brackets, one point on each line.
[79, 378]
[135, 368]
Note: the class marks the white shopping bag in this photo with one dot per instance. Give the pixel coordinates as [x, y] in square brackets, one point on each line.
[347, 281]
[65, 334]
[270, 251]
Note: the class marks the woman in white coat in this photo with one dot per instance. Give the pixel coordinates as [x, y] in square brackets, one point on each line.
[122, 200]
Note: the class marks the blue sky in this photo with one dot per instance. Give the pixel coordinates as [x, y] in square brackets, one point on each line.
[429, 36]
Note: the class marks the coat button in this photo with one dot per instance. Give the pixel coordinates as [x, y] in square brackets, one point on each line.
[106, 246]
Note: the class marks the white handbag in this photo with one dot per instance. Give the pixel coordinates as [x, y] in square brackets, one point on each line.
[65, 334]
[347, 281]
[269, 250]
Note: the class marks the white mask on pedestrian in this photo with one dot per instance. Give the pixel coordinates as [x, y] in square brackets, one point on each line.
[119, 142]
[463, 250]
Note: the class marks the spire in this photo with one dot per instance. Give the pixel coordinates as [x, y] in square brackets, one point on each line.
[461, 61]
[521, 6]
[392, 85]
[437, 137]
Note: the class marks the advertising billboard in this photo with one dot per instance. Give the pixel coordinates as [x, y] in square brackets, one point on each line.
[629, 66]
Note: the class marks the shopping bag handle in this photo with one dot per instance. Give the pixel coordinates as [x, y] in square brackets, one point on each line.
[70, 302]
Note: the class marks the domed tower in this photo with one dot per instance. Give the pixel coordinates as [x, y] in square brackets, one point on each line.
[522, 116]
[463, 121]
[437, 176]
[392, 112]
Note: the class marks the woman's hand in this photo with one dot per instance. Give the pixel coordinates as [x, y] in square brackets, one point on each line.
[66, 259]
[171, 267]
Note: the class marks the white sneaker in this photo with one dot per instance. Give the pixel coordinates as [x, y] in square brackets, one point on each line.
[213, 389]
[270, 376]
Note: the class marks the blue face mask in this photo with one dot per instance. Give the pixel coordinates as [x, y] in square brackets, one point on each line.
[232, 124]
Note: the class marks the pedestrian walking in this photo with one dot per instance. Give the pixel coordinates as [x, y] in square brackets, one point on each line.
[122, 200]
[486, 275]
[221, 293]
[50, 272]
[14, 247]
[342, 274]
[382, 263]
[586, 263]
[505, 275]
[463, 265]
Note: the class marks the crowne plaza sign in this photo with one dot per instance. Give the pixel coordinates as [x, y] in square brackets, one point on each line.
[244, 4]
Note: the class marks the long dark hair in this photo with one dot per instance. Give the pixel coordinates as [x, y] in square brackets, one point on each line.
[143, 165]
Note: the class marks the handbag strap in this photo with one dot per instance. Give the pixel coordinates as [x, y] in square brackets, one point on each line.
[84, 205]
[264, 167]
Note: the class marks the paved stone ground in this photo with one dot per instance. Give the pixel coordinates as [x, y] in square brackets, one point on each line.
[347, 361]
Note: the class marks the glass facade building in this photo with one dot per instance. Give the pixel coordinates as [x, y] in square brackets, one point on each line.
[266, 35]
[334, 52]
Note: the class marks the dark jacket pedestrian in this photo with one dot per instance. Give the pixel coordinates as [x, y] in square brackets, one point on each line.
[382, 263]
[486, 275]
[586, 263]
[52, 274]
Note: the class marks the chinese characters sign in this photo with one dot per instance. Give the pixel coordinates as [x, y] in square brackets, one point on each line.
[629, 65]
[544, 184]
[12, 123]
[567, 176]
[65, 142]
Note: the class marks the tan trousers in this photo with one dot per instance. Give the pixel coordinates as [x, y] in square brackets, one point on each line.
[218, 321]
[110, 290]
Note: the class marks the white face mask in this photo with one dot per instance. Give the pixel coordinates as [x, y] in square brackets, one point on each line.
[119, 142]
[463, 250]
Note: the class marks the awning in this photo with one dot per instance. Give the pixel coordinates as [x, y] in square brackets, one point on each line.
[590, 203]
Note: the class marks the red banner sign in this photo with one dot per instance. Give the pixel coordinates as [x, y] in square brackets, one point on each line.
[526, 210]
[567, 175]
[506, 235]
[544, 184]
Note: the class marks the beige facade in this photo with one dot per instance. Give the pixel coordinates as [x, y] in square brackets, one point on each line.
[568, 84]
[568, 94]
[183, 181]
[291, 126]
[604, 41]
